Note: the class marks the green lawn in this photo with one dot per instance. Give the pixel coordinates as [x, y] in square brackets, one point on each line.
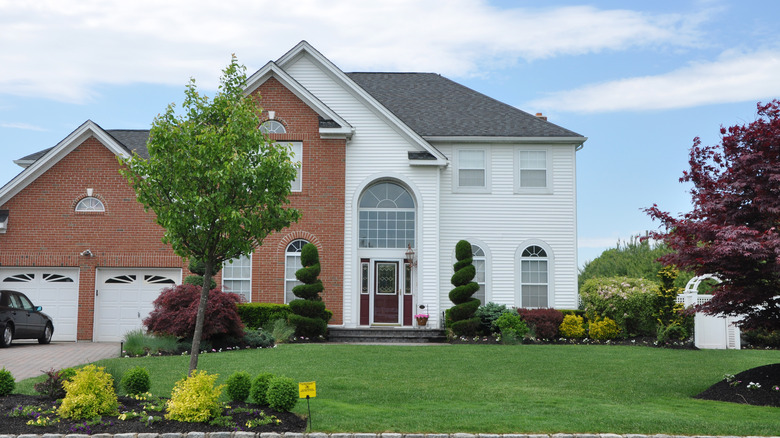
[496, 388]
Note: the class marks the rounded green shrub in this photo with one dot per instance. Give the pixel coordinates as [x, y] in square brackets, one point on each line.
[238, 386]
[487, 314]
[259, 338]
[88, 394]
[195, 399]
[7, 382]
[136, 381]
[604, 329]
[282, 393]
[510, 324]
[573, 326]
[259, 389]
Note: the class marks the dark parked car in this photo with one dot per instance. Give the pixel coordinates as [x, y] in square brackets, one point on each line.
[19, 319]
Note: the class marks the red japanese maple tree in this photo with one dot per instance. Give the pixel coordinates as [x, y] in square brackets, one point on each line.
[733, 228]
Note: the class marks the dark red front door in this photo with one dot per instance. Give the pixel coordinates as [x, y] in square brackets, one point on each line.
[386, 292]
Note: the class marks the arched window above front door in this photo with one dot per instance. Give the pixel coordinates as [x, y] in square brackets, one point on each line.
[387, 217]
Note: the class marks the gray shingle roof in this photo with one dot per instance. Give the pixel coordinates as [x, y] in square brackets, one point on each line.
[433, 105]
[428, 103]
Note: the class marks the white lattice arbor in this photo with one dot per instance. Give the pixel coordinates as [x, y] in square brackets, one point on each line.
[712, 332]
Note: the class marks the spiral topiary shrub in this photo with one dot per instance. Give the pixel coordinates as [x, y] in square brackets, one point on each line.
[195, 399]
[282, 393]
[136, 381]
[259, 389]
[7, 382]
[309, 315]
[88, 394]
[460, 318]
[238, 386]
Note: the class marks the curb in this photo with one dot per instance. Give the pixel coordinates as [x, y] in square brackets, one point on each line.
[357, 435]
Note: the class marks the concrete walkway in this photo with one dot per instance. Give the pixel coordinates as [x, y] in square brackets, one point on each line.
[25, 359]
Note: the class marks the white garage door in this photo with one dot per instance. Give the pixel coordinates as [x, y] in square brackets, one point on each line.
[123, 299]
[54, 289]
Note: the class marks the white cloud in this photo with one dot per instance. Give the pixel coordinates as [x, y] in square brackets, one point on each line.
[64, 49]
[734, 77]
[23, 126]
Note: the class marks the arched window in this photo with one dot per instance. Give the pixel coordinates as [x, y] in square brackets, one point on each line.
[272, 127]
[292, 262]
[90, 204]
[387, 218]
[480, 263]
[237, 277]
[534, 277]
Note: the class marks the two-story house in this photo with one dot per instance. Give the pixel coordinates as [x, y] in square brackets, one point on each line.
[395, 169]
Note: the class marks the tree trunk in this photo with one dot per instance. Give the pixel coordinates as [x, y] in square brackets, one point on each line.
[204, 298]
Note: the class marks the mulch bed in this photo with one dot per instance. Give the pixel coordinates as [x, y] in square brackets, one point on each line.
[14, 425]
[738, 389]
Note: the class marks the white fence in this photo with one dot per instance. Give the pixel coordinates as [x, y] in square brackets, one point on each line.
[712, 332]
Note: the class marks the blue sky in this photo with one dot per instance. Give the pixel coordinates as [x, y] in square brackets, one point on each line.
[639, 79]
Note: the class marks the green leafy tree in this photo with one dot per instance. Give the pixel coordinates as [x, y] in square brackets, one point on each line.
[636, 258]
[461, 317]
[309, 317]
[217, 185]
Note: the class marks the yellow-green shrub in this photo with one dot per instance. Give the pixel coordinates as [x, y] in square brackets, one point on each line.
[195, 399]
[88, 394]
[604, 329]
[573, 326]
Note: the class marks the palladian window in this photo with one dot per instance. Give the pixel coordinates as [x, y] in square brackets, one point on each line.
[387, 217]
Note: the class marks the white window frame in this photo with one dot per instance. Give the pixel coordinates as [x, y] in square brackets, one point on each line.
[247, 259]
[290, 281]
[458, 166]
[548, 186]
[519, 259]
[95, 205]
[273, 127]
[483, 291]
[296, 148]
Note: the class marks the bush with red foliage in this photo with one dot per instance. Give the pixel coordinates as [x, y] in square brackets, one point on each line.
[176, 309]
[544, 322]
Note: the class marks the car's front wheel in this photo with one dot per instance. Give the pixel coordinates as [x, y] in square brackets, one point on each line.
[46, 337]
[7, 337]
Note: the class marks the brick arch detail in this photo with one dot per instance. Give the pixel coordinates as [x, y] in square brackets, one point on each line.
[289, 237]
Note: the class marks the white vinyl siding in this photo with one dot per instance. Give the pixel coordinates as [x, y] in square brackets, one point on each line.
[505, 219]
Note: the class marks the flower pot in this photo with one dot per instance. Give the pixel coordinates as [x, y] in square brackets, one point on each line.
[422, 321]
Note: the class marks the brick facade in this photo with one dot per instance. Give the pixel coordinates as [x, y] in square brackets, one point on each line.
[321, 202]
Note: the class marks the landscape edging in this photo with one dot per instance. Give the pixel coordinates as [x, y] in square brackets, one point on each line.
[358, 435]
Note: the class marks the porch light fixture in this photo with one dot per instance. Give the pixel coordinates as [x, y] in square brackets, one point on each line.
[410, 255]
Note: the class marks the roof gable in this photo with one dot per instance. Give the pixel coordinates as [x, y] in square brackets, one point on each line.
[48, 158]
[331, 125]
